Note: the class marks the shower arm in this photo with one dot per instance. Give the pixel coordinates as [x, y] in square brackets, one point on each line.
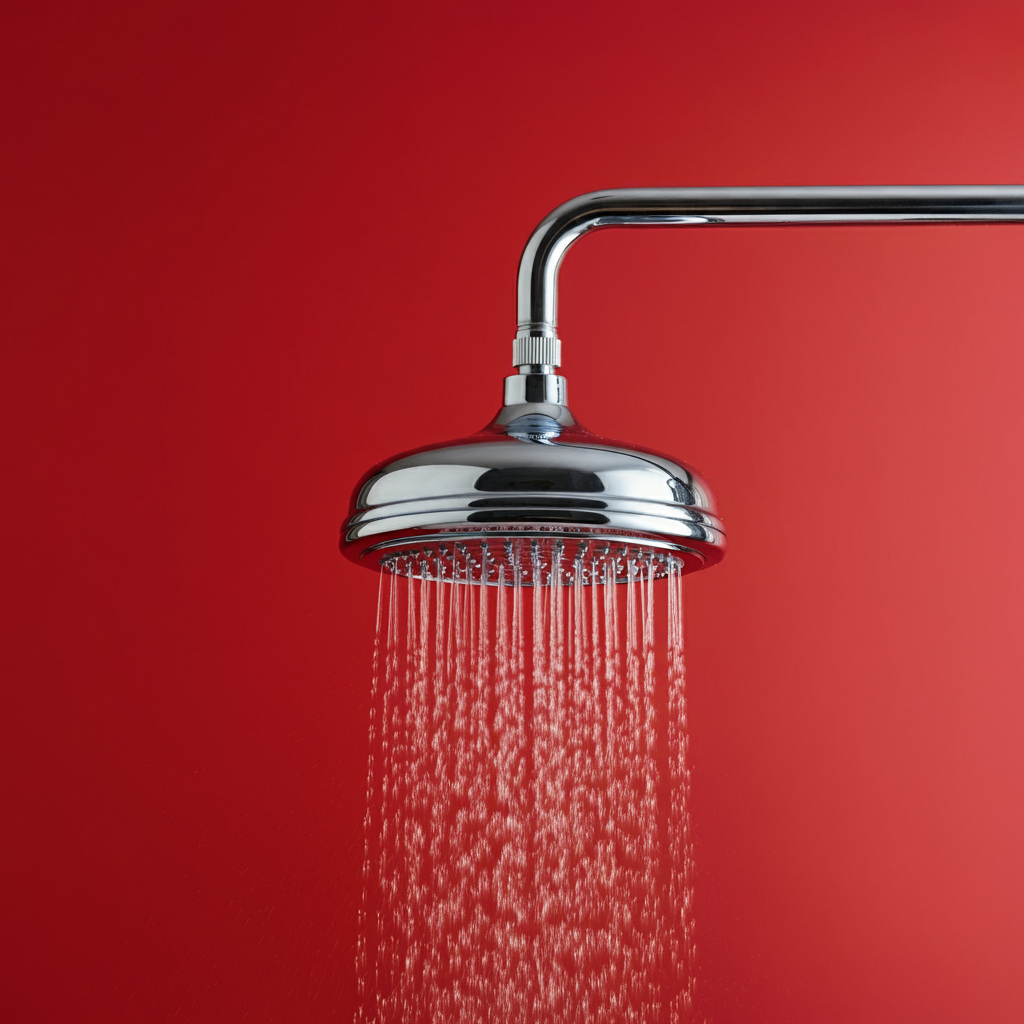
[536, 350]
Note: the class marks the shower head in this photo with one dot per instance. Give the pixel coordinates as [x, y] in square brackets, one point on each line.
[534, 498]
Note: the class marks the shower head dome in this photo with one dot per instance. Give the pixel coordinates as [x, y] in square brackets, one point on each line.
[533, 498]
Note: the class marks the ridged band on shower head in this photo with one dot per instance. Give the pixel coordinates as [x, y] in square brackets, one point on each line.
[536, 350]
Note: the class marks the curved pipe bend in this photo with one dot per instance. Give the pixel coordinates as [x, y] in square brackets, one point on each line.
[674, 207]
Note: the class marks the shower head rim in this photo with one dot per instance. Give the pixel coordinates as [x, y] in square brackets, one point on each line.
[505, 533]
[620, 514]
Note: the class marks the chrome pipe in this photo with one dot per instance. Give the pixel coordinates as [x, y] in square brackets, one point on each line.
[537, 335]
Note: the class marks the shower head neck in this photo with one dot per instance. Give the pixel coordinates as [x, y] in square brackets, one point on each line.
[534, 385]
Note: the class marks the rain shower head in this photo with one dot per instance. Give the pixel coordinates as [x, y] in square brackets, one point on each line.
[536, 499]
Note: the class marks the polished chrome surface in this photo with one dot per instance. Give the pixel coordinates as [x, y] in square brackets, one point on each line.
[533, 479]
[535, 498]
[522, 388]
[681, 207]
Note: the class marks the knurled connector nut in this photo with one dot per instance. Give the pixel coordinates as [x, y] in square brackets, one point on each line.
[536, 350]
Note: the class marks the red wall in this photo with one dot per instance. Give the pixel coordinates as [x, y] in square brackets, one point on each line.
[254, 247]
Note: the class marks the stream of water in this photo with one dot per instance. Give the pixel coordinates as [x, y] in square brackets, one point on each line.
[528, 853]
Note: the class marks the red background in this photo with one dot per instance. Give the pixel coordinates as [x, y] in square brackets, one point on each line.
[253, 248]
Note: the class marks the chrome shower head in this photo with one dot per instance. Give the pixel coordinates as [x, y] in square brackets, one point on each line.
[533, 498]
[537, 499]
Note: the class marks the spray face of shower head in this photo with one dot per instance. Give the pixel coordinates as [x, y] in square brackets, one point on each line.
[534, 499]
